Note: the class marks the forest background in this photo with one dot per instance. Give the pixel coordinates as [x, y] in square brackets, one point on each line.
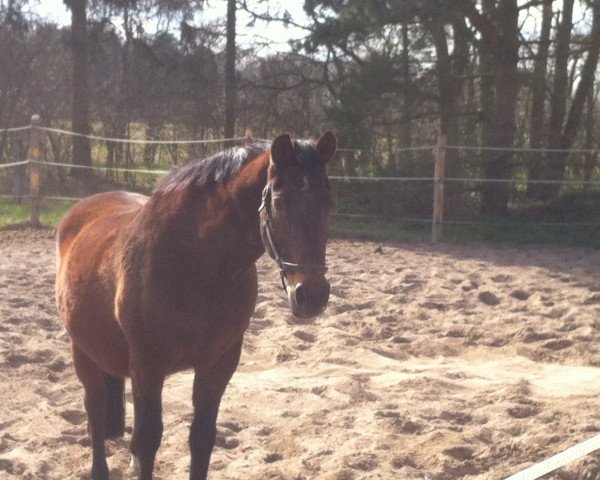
[513, 85]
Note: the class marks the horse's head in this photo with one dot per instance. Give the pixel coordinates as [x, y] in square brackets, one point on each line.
[294, 219]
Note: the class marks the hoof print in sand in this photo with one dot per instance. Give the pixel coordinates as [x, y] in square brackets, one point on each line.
[460, 452]
[523, 411]
[273, 457]
[75, 417]
[520, 294]
[489, 298]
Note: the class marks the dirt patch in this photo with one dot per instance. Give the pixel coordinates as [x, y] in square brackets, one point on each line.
[438, 362]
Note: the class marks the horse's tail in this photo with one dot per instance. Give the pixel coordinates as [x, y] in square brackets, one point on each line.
[114, 420]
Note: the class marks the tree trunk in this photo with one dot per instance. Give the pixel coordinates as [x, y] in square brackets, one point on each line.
[80, 108]
[558, 104]
[406, 131]
[591, 158]
[230, 83]
[500, 36]
[538, 100]
[584, 87]
[448, 91]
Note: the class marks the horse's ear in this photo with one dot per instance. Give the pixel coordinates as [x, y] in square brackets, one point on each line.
[326, 146]
[282, 150]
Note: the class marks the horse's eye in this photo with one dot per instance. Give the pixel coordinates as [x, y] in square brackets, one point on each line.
[277, 201]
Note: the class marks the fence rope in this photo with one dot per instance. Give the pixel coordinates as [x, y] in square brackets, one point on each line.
[559, 460]
[521, 180]
[464, 180]
[456, 222]
[237, 139]
[380, 179]
[14, 129]
[13, 164]
[523, 149]
[131, 140]
[99, 167]
[346, 179]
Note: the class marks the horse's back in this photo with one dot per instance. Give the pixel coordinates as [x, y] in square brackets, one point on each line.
[87, 241]
[94, 208]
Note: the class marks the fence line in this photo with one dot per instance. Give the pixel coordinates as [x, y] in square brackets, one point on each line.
[345, 178]
[523, 149]
[15, 129]
[13, 164]
[341, 149]
[437, 180]
[456, 222]
[99, 167]
[380, 179]
[521, 180]
[131, 140]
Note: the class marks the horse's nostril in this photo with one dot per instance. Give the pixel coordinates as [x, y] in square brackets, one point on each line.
[301, 294]
[305, 295]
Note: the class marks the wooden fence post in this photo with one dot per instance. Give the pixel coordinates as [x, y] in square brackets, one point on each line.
[34, 170]
[438, 188]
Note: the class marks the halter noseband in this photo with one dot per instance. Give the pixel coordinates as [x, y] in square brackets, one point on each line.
[284, 267]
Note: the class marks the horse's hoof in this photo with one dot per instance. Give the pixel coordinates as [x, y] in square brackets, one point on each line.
[134, 466]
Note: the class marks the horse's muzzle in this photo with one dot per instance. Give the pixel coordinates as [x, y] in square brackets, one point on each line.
[308, 300]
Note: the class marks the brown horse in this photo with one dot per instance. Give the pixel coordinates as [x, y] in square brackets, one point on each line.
[151, 286]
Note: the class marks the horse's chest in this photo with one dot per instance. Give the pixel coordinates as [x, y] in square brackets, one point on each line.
[209, 325]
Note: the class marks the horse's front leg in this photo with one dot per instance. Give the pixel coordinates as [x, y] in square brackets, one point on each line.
[208, 390]
[147, 382]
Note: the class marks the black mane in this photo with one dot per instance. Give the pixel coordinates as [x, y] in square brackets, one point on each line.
[221, 166]
[210, 171]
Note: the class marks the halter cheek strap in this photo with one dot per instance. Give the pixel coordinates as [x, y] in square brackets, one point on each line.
[272, 250]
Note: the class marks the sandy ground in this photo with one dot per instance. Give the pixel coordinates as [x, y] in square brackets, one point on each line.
[438, 362]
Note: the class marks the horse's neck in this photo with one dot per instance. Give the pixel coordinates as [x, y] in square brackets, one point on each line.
[214, 230]
[245, 193]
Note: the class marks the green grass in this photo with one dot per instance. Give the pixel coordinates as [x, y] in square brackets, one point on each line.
[50, 214]
[517, 229]
[527, 223]
[382, 231]
[509, 232]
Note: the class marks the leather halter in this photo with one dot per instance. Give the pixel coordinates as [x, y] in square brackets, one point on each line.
[272, 250]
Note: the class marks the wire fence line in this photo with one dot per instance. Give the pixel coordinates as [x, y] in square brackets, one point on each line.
[15, 129]
[457, 222]
[13, 164]
[35, 163]
[343, 178]
[341, 149]
[98, 167]
[143, 142]
[346, 179]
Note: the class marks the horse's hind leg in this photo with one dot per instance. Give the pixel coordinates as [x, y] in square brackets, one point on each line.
[92, 378]
[208, 390]
[114, 425]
